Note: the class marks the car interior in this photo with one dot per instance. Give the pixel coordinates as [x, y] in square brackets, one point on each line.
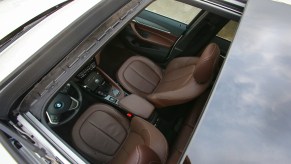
[141, 96]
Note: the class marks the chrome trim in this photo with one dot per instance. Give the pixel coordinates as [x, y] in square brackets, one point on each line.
[237, 3]
[224, 7]
[50, 120]
[138, 22]
[75, 102]
[108, 99]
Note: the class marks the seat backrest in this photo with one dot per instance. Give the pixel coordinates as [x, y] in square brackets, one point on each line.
[186, 78]
[207, 63]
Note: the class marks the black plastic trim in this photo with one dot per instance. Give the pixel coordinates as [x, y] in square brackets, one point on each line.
[40, 95]
[48, 56]
[223, 9]
[11, 149]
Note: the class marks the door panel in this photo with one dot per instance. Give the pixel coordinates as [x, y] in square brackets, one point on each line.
[161, 22]
[152, 35]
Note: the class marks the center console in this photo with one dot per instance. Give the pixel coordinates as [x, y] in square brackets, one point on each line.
[100, 85]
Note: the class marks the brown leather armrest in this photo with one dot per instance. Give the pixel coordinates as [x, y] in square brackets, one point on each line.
[143, 155]
[137, 105]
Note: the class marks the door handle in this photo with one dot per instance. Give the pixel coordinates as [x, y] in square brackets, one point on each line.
[152, 37]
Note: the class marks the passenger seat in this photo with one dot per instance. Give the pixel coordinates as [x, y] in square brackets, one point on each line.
[184, 79]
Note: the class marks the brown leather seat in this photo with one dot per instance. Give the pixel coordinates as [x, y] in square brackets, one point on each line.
[184, 78]
[103, 135]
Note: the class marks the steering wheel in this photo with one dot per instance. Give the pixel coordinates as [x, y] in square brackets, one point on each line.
[64, 106]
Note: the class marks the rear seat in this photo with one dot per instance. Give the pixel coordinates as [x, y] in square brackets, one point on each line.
[187, 129]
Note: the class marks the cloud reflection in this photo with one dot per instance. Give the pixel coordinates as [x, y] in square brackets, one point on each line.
[247, 120]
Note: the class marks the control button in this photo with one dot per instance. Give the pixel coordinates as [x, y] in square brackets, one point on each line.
[101, 93]
[97, 81]
[112, 99]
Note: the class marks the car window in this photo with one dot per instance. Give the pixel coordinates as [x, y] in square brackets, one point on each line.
[228, 31]
[175, 10]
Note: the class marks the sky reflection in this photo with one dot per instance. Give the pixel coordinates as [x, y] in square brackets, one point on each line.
[248, 117]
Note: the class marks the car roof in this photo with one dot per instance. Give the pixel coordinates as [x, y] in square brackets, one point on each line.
[247, 118]
[31, 64]
[24, 47]
[26, 10]
[231, 9]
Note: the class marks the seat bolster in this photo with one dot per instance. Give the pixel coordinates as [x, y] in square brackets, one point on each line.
[207, 64]
[143, 155]
[151, 136]
[180, 62]
[139, 75]
[178, 96]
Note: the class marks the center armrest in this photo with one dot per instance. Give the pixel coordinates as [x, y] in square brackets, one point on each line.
[137, 105]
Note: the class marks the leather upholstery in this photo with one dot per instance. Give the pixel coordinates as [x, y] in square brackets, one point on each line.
[99, 132]
[184, 78]
[139, 75]
[137, 105]
[207, 64]
[143, 133]
[104, 135]
[143, 155]
[178, 84]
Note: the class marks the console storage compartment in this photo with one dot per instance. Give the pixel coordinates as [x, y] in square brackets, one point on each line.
[137, 105]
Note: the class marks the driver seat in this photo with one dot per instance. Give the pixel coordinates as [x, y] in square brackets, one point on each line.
[103, 135]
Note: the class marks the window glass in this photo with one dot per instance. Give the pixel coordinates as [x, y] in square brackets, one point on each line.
[175, 10]
[228, 31]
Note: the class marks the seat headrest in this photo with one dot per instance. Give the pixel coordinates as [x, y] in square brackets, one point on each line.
[142, 154]
[207, 64]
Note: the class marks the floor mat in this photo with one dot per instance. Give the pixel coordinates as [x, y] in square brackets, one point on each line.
[171, 119]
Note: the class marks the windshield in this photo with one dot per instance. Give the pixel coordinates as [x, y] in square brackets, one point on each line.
[14, 13]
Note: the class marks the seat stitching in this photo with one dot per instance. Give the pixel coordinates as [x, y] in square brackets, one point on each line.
[177, 78]
[184, 66]
[81, 137]
[138, 152]
[150, 67]
[104, 132]
[145, 64]
[142, 76]
[114, 117]
[127, 85]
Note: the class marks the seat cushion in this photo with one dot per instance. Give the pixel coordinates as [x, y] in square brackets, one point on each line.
[100, 132]
[139, 75]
